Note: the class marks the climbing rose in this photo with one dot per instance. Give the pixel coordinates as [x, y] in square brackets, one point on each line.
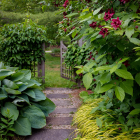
[116, 23]
[93, 24]
[66, 3]
[109, 14]
[104, 32]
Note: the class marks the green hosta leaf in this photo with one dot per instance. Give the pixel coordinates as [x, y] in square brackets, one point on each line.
[39, 95]
[129, 31]
[105, 88]
[22, 126]
[119, 92]
[137, 78]
[135, 41]
[17, 76]
[99, 122]
[12, 68]
[22, 88]
[11, 91]
[127, 88]
[97, 10]
[10, 110]
[105, 78]
[94, 110]
[1, 65]
[37, 83]
[124, 74]
[87, 80]
[27, 74]
[3, 96]
[25, 98]
[30, 93]
[5, 73]
[83, 94]
[10, 84]
[47, 106]
[35, 116]
[21, 101]
[135, 112]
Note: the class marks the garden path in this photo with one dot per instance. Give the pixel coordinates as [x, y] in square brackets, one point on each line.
[59, 122]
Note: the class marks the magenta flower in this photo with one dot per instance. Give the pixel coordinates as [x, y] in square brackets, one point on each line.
[66, 3]
[109, 14]
[124, 1]
[116, 23]
[93, 25]
[104, 32]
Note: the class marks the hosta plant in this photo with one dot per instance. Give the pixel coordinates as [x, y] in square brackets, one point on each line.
[22, 97]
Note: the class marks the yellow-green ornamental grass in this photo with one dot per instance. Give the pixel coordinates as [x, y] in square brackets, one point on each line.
[89, 130]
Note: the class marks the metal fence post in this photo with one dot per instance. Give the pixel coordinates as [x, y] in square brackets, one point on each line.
[41, 67]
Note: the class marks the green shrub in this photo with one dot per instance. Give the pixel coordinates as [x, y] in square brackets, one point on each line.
[56, 50]
[21, 44]
[22, 97]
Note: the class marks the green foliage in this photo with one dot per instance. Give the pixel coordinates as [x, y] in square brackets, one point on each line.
[56, 50]
[21, 96]
[21, 44]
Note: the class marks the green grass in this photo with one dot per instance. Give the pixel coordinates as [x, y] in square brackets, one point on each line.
[52, 73]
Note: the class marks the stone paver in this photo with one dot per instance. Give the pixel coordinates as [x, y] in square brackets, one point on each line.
[62, 96]
[64, 111]
[59, 120]
[51, 134]
[62, 102]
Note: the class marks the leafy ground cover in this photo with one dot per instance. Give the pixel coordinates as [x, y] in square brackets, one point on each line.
[52, 73]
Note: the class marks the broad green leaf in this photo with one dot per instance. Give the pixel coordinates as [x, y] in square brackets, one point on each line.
[3, 96]
[19, 102]
[27, 74]
[119, 32]
[102, 68]
[87, 80]
[39, 95]
[22, 126]
[79, 71]
[10, 84]
[137, 78]
[47, 106]
[94, 110]
[17, 76]
[37, 83]
[1, 65]
[135, 41]
[99, 122]
[22, 88]
[113, 69]
[101, 56]
[126, 87]
[11, 91]
[116, 3]
[24, 97]
[72, 14]
[124, 74]
[123, 60]
[35, 116]
[105, 78]
[30, 93]
[105, 88]
[5, 73]
[119, 92]
[83, 94]
[135, 112]
[9, 110]
[129, 31]
[97, 10]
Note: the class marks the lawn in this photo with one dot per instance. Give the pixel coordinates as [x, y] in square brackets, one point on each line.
[52, 73]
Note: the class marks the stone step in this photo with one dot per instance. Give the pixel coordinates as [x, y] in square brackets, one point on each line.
[62, 102]
[62, 96]
[51, 134]
[59, 120]
[64, 111]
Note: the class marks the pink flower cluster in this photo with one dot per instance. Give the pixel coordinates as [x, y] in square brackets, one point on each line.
[93, 25]
[66, 3]
[104, 32]
[109, 14]
[116, 23]
[124, 1]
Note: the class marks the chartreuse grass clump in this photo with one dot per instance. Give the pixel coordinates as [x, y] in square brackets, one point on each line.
[23, 105]
[101, 125]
